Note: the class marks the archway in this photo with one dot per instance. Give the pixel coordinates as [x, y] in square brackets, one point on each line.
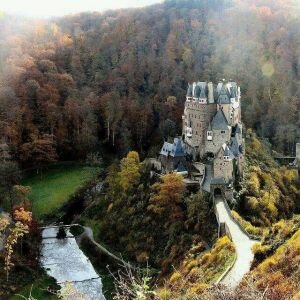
[210, 155]
[217, 192]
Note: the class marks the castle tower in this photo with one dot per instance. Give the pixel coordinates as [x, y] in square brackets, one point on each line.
[201, 119]
[222, 165]
[199, 109]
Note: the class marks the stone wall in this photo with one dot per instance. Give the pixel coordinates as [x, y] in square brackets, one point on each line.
[298, 151]
[223, 168]
[219, 138]
[168, 164]
[200, 115]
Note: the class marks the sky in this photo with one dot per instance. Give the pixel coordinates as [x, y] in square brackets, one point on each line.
[49, 8]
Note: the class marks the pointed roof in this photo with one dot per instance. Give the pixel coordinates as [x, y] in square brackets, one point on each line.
[190, 91]
[225, 151]
[203, 93]
[232, 86]
[224, 95]
[219, 121]
[203, 89]
[180, 167]
[197, 91]
[234, 146]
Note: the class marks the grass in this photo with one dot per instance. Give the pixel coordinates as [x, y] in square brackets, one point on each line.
[199, 269]
[53, 187]
[257, 232]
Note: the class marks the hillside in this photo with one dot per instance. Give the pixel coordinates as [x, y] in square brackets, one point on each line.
[110, 79]
[86, 103]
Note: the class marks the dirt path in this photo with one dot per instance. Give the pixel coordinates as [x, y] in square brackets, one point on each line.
[88, 232]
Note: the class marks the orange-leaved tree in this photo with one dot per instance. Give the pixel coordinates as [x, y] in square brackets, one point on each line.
[167, 197]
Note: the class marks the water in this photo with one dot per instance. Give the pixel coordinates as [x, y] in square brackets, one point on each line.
[64, 261]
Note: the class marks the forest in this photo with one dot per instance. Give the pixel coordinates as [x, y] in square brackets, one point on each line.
[87, 99]
[91, 82]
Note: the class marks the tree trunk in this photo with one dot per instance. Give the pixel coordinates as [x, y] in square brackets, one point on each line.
[113, 138]
[108, 130]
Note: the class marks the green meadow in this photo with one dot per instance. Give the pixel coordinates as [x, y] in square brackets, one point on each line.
[52, 188]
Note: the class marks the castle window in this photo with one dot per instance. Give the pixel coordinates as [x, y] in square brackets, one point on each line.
[209, 135]
[222, 131]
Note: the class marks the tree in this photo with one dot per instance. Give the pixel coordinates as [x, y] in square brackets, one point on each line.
[18, 231]
[4, 222]
[167, 197]
[9, 176]
[198, 212]
[21, 194]
[168, 128]
[94, 164]
[130, 171]
[112, 113]
[41, 150]
[23, 216]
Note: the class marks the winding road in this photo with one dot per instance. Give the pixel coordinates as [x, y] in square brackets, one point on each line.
[242, 242]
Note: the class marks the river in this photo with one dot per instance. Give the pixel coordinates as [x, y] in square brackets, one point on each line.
[63, 260]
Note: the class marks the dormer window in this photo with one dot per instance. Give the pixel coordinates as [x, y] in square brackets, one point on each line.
[209, 135]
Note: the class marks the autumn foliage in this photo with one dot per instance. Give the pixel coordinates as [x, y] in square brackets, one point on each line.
[167, 197]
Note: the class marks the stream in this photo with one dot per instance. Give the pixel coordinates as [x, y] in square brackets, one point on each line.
[63, 260]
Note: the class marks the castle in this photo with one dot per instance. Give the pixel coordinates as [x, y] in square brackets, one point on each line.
[211, 132]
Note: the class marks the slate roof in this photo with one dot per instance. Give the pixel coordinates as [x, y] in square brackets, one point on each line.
[235, 146]
[223, 99]
[219, 87]
[203, 89]
[227, 151]
[174, 149]
[190, 91]
[219, 121]
[224, 95]
[197, 91]
[222, 92]
[180, 167]
[233, 89]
